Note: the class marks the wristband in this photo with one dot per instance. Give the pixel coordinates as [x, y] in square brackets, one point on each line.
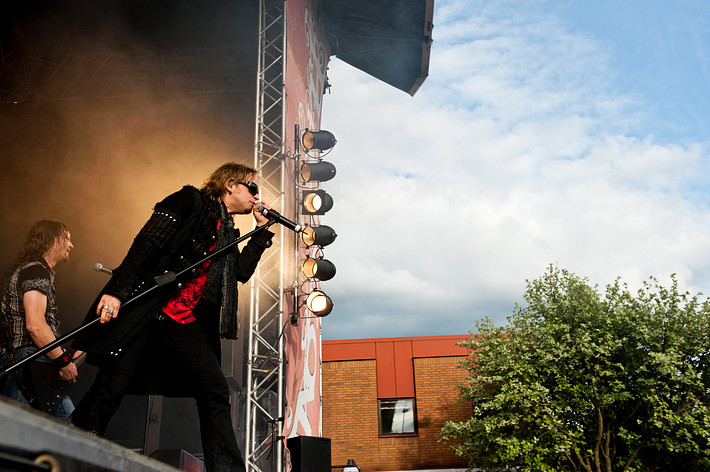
[62, 361]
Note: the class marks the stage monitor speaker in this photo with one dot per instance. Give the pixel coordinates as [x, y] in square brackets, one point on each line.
[309, 454]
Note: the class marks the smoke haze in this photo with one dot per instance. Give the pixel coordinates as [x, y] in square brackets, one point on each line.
[114, 115]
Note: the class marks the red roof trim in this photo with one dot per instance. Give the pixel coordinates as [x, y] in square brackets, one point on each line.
[364, 349]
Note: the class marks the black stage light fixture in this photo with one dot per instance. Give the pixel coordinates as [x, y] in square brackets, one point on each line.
[318, 235]
[319, 303]
[317, 171]
[321, 269]
[316, 202]
[321, 140]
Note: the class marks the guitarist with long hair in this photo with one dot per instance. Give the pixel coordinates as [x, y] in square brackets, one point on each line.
[28, 320]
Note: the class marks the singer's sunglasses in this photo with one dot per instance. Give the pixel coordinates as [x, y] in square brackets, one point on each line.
[251, 186]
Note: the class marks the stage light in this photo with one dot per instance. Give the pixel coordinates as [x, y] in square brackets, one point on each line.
[316, 202]
[319, 303]
[321, 269]
[320, 140]
[317, 171]
[318, 235]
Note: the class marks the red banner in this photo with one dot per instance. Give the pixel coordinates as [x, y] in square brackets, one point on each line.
[307, 55]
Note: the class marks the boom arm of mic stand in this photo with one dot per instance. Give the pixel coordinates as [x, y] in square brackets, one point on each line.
[160, 281]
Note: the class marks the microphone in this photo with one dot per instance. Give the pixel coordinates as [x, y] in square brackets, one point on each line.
[99, 267]
[275, 215]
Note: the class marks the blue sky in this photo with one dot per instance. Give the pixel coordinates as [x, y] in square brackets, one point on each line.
[547, 132]
[658, 52]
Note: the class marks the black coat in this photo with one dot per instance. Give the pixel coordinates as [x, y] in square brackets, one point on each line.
[179, 234]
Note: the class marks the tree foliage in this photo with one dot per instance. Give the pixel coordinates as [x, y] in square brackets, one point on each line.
[582, 381]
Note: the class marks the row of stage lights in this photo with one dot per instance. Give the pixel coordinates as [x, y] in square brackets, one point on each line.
[316, 202]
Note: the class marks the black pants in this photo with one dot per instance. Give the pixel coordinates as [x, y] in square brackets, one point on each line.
[188, 346]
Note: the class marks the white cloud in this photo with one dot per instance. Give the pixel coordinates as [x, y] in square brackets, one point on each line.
[513, 155]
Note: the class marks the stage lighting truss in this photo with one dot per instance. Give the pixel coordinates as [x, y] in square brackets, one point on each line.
[313, 203]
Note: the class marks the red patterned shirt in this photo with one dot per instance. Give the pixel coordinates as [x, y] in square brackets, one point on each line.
[180, 308]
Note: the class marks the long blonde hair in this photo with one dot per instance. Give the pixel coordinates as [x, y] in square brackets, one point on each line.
[231, 171]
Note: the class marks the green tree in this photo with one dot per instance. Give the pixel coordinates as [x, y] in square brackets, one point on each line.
[581, 381]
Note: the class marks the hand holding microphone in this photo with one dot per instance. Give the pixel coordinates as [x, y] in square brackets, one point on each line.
[278, 217]
[258, 212]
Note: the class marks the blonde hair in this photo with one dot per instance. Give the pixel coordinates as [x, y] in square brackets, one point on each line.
[229, 172]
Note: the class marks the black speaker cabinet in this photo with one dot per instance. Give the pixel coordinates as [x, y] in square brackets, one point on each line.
[309, 454]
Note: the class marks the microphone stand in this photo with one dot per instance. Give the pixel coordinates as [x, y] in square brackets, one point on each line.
[160, 281]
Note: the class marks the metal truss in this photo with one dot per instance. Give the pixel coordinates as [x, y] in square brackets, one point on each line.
[264, 449]
[122, 75]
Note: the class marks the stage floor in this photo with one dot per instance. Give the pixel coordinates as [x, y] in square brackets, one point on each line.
[29, 434]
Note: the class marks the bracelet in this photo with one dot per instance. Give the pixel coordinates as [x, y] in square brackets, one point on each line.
[62, 361]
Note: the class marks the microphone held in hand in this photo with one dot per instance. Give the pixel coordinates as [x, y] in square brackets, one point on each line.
[278, 217]
[99, 267]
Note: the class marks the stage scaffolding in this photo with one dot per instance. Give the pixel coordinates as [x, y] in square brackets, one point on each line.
[264, 449]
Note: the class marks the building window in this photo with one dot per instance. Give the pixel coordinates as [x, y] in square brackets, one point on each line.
[397, 416]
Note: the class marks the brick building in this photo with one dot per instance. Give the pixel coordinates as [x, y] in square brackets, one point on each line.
[385, 401]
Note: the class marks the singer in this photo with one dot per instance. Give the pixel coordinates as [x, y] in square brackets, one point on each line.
[168, 342]
[28, 321]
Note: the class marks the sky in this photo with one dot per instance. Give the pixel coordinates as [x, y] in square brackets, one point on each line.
[547, 132]
[554, 132]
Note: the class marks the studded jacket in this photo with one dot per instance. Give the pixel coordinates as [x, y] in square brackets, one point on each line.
[178, 234]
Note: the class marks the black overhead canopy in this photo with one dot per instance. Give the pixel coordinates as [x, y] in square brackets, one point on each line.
[388, 39]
